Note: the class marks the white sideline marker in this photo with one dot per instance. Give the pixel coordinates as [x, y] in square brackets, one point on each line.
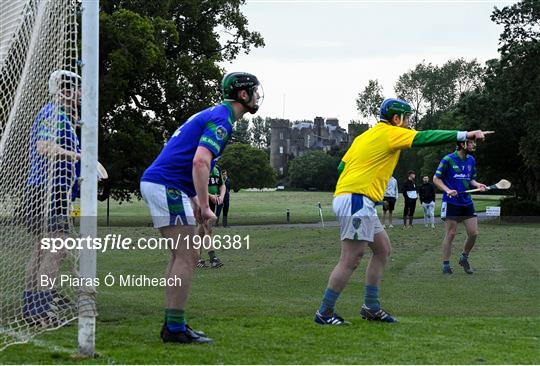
[321, 215]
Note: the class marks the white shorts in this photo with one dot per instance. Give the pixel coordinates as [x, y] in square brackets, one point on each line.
[168, 206]
[357, 217]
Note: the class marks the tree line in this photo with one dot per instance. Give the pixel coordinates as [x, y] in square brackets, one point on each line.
[159, 64]
[503, 95]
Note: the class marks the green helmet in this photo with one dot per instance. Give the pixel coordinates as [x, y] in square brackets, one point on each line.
[234, 82]
[393, 106]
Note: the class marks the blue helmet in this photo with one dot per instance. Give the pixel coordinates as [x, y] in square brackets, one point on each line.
[393, 106]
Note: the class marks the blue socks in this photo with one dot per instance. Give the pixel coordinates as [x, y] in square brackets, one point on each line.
[176, 320]
[328, 302]
[464, 257]
[371, 297]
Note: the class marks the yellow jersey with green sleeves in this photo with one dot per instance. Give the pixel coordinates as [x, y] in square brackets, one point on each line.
[369, 163]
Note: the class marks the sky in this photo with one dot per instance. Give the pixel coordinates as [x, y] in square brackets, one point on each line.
[320, 54]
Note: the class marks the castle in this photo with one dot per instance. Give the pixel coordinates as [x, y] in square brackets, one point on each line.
[289, 140]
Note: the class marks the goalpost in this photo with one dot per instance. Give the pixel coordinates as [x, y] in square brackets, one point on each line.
[90, 86]
[39, 143]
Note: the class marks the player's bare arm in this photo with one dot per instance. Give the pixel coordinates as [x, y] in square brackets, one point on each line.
[201, 173]
[221, 197]
[49, 148]
[440, 184]
[478, 134]
[481, 186]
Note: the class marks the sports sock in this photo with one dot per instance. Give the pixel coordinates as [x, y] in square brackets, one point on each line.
[371, 297]
[464, 256]
[212, 255]
[446, 264]
[328, 302]
[176, 320]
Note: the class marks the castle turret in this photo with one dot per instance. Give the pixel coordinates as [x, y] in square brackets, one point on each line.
[279, 145]
[355, 129]
[318, 124]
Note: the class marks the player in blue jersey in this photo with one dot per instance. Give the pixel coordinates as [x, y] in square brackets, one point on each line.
[455, 174]
[175, 187]
[52, 183]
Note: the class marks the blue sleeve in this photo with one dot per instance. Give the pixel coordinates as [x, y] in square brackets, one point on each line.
[215, 136]
[441, 169]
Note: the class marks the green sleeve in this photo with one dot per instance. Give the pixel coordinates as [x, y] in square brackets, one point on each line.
[434, 137]
[340, 167]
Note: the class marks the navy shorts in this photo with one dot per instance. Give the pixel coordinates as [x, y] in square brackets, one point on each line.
[391, 203]
[457, 213]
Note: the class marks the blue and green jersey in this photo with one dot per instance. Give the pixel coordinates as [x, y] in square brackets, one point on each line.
[210, 128]
[52, 124]
[457, 173]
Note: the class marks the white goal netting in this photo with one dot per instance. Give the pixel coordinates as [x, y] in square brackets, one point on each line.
[39, 112]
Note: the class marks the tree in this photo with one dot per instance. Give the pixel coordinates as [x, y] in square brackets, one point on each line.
[160, 64]
[268, 131]
[241, 133]
[259, 133]
[314, 169]
[510, 102]
[507, 101]
[248, 167]
[370, 100]
[430, 88]
[521, 25]
[411, 87]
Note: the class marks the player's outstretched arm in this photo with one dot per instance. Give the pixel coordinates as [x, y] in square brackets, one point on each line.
[478, 134]
[438, 137]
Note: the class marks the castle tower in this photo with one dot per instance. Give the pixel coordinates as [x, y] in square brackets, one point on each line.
[279, 145]
[318, 123]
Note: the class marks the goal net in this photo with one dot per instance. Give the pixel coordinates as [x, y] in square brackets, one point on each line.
[39, 112]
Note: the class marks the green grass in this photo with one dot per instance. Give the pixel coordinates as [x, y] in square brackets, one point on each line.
[259, 306]
[248, 208]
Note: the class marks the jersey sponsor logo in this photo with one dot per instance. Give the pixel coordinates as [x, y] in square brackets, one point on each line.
[461, 176]
[221, 133]
[210, 142]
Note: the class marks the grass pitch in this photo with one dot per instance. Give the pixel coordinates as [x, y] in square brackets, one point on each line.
[259, 307]
[249, 208]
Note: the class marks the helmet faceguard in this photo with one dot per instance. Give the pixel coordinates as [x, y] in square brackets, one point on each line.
[234, 82]
[470, 146]
[61, 80]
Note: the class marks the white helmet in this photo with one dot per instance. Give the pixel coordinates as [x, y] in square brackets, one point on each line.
[61, 76]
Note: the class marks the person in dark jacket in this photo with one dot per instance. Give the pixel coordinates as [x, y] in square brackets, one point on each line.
[410, 195]
[427, 200]
[225, 205]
